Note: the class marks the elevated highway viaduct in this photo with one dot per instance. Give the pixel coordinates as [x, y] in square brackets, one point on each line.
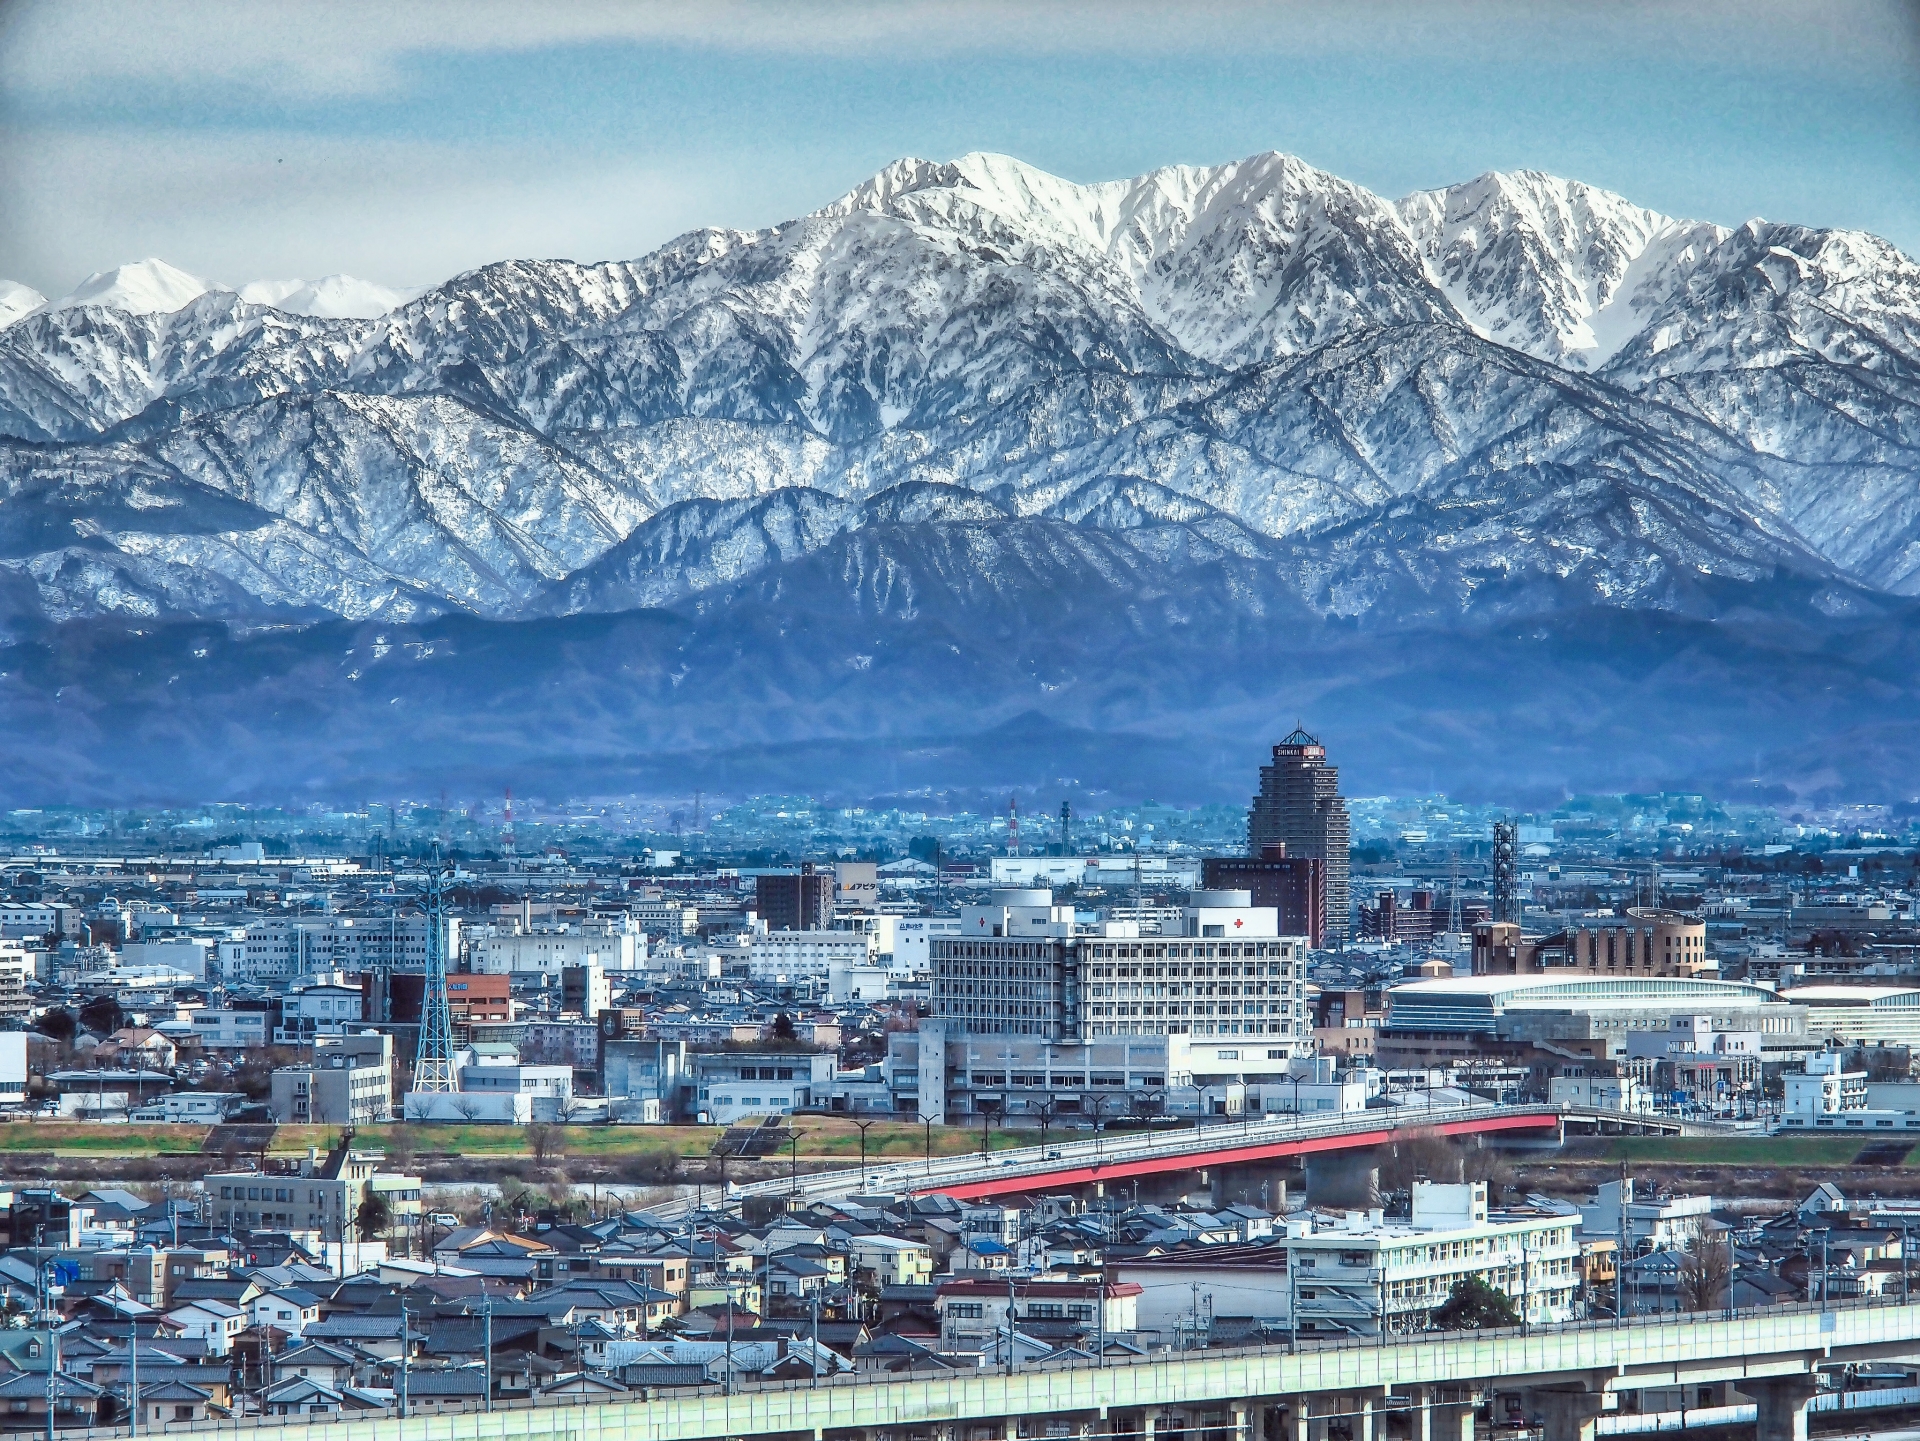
[1415, 1388]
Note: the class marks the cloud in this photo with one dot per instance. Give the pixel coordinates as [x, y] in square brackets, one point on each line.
[404, 213]
[364, 47]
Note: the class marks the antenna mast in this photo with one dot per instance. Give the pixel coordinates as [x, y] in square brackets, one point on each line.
[1506, 871]
[1453, 892]
[433, 1060]
[1066, 828]
[1013, 825]
[506, 832]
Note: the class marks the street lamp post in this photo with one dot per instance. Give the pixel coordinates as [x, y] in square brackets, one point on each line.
[863, 1127]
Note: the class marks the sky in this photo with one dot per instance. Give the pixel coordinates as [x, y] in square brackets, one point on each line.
[404, 142]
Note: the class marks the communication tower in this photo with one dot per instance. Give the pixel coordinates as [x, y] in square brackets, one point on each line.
[433, 1059]
[1506, 871]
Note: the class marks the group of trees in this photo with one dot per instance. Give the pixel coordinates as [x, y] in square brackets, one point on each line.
[98, 1015]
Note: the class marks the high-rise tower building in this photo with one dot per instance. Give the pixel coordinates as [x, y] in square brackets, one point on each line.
[1299, 807]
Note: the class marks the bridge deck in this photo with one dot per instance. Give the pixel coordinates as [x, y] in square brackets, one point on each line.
[1745, 1346]
[1227, 1153]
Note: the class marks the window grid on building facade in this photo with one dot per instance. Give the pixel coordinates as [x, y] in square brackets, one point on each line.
[1101, 987]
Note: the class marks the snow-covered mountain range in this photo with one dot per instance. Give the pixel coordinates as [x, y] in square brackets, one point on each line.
[1256, 389]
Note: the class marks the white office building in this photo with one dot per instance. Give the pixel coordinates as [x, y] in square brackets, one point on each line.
[912, 936]
[614, 943]
[788, 957]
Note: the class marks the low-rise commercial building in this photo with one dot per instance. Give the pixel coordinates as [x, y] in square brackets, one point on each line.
[731, 1084]
[1887, 1015]
[348, 1083]
[1563, 1024]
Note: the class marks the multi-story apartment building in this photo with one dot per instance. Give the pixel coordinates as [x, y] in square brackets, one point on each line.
[16, 969]
[1300, 809]
[283, 948]
[32, 920]
[614, 943]
[1367, 1272]
[801, 901]
[321, 1195]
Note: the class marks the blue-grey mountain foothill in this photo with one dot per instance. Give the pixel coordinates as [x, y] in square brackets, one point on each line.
[977, 477]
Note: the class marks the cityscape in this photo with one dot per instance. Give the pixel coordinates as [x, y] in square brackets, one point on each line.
[960, 721]
[726, 1093]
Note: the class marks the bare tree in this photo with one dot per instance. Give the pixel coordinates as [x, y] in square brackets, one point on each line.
[1420, 1158]
[545, 1141]
[1487, 1163]
[402, 1146]
[1705, 1277]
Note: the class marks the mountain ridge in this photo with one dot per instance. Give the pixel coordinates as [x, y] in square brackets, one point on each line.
[1254, 394]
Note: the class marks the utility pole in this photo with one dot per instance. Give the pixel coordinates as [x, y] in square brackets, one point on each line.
[53, 1366]
[487, 1315]
[1010, 1330]
[406, 1358]
[133, 1382]
[1620, 1254]
[813, 1371]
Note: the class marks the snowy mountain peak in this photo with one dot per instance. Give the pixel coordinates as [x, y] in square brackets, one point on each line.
[144, 287]
[1538, 262]
[17, 300]
[334, 297]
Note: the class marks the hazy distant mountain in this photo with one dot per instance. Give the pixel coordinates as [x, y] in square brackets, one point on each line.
[983, 403]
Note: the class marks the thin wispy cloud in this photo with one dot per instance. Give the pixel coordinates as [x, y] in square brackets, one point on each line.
[409, 140]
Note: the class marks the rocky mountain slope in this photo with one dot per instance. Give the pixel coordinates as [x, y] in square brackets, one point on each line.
[1254, 395]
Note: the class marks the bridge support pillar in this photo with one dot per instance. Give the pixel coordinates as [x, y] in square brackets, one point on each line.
[1782, 1407]
[1366, 1425]
[1422, 1417]
[1567, 1415]
[1452, 1422]
[1348, 1179]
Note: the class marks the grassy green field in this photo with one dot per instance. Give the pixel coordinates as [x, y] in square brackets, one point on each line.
[1729, 1150]
[820, 1138]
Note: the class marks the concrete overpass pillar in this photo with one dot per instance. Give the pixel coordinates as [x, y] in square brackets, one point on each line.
[1344, 1179]
[1452, 1422]
[1782, 1407]
[1567, 1415]
[1365, 1425]
[1422, 1417]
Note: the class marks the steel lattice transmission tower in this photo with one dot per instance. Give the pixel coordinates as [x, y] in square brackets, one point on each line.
[1506, 871]
[433, 1059]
